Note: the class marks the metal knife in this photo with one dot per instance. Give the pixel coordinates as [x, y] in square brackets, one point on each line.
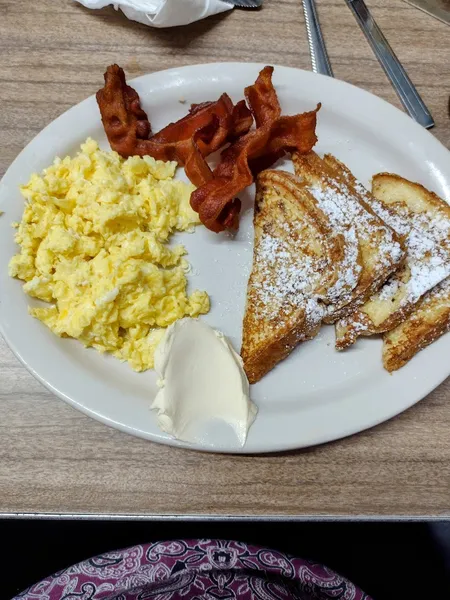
[436, 8]
[404, 87]
[319, 57]
[245, 3]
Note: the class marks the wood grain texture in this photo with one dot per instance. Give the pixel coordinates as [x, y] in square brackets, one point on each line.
[54, 459]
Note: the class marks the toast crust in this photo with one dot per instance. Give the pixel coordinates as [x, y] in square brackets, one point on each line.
[296, 258]
[380, 249]
[424, 220]
[429, 321]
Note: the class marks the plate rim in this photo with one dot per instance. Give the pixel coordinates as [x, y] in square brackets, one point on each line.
[259, 448]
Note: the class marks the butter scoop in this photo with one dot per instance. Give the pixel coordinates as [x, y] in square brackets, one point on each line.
[201, 378]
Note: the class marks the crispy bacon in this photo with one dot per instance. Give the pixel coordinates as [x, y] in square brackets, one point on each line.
[274, 136]
[242, 119]
[207, 127]
[123, 119]
[262, 98]
[213, 123]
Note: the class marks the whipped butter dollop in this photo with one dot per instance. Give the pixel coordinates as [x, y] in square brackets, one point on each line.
[201, 379]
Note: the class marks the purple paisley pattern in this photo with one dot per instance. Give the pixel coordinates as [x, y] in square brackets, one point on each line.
[195, 570]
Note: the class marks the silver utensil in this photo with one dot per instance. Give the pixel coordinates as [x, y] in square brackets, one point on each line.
[319, 56]
[436, 8]
[245, 3]
[404, 87]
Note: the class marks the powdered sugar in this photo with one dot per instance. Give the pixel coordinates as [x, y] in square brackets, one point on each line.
[349, 217]
[389, 251]
[389, 290]
[287, 280]
[440, 293]
[427, 241]
[359, 326]
[427, 244]
[434, 306]
[333, 203]
[397, 223]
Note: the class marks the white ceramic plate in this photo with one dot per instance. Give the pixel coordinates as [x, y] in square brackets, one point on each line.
[317, 394]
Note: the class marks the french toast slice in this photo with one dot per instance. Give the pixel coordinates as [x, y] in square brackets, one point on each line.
[428, 322]
[296, 261]
[379, 249]
[423, 219]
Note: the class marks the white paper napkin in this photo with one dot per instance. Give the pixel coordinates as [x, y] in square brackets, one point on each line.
[163, 13]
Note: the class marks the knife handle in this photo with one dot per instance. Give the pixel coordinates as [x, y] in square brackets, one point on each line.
[319, 57]
[404, 87]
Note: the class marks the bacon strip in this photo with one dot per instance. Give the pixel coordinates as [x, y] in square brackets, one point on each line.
[207, 127]
[123, 119]
[274, 136]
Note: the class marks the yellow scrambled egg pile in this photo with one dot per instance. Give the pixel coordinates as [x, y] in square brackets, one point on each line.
[93, 244]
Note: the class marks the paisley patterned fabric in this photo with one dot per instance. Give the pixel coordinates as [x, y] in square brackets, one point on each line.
[194, 570]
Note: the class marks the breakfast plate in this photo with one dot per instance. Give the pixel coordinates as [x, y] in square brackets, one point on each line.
[317, 394]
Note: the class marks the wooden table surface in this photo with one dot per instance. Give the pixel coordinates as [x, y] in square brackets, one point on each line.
[53, 458]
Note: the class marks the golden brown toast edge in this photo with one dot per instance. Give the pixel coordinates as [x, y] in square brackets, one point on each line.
[367, 287]
[428, 322]
[258, 363]
[310, 167]
[332, 168]
[432, 198]
[345, 336]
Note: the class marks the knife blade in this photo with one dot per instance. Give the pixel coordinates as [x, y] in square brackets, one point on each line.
[440, 9]
[319, 56]
[397, 75]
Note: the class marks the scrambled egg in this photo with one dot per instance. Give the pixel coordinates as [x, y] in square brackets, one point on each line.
[93, 244]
